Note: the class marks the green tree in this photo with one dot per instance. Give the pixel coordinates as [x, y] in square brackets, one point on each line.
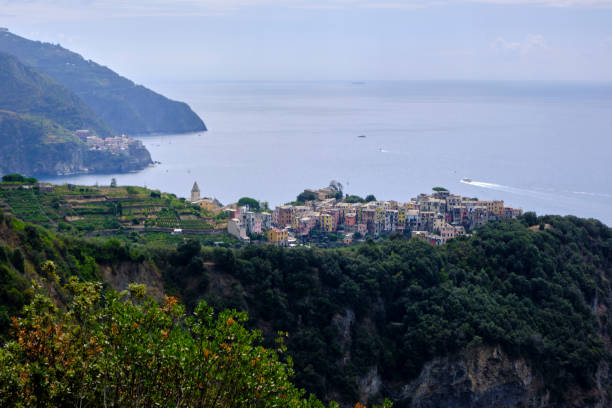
[251, 202]
[306, 196]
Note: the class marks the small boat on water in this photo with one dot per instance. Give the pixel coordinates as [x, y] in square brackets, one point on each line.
[362, 136]
[466, 180]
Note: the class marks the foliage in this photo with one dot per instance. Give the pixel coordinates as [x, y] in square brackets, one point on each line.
[528, 291]
[26, 91]
[531, 291]
[306, 196]
[439, 189]
[9, 178]
[352, 199]
[123, 350]
[369, 198]
[336, 186]
[251, 202]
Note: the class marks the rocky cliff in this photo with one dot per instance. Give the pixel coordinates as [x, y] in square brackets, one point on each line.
[37, 146]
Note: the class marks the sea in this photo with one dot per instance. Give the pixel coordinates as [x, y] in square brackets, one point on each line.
[542, 146]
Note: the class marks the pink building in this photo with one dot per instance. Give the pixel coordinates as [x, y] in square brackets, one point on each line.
[362, 229]
[306, 224]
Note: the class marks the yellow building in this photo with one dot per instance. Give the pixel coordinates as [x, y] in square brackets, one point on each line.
[495, 207]
[401, 216]
[277, 236]
[326, 222]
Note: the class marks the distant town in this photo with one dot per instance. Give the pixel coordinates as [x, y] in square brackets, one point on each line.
[435, 217]
[116, 145]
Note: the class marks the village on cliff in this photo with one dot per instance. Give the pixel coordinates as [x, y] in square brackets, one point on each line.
[435, 217]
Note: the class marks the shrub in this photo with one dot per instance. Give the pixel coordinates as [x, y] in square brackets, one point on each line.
[122, 350]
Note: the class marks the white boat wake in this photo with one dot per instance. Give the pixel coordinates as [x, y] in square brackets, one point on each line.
[507, 189]
[533, 193]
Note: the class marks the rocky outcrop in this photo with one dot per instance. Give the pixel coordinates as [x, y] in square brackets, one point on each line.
[481, 377]
[121, 274]
[36, 146]
[136, 158]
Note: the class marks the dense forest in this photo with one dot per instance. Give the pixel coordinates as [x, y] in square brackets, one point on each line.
[537, 287]
[125, 106]
[532, 291]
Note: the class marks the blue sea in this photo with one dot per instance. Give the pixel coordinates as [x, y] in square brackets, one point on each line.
[542, 146]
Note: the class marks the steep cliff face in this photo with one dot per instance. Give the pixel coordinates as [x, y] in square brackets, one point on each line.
[35, 146]
[121, 274]
[136, 158]
[480, 377]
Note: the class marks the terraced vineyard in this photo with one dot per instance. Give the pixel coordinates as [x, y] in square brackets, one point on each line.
[84, 209]
[167, 219]
[25, 205]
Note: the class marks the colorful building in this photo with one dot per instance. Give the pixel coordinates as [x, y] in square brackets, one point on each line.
[278, 236]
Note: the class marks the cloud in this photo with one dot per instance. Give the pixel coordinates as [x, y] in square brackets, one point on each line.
[532, 44]
[550, 3]
[68, 9]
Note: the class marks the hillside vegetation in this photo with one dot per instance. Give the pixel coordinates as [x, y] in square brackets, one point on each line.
[35, 145]
[366, 321]
[123, 350]
[125, 106]
[542, 294]
[86, 345]
[83, 210]
[24, 90]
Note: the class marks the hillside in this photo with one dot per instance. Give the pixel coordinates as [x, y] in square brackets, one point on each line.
[114, 347]
[89, 210]
[24, 90]
[34, 145]
[125, 106]
[519, 313]
[514, 316]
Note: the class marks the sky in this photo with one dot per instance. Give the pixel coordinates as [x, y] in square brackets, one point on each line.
[158, 40]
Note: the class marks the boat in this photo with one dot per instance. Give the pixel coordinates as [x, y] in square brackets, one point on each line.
[362, 136]
[466, 180]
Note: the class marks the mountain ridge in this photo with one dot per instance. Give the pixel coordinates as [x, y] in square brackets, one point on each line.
[24, 90]
[125, 106]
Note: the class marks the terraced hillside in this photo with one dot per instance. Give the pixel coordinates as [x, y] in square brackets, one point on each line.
[91, 210]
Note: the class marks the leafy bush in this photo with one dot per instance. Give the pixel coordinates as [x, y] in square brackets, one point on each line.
[123, 350]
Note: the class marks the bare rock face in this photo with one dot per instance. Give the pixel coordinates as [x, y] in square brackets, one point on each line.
[482, 377]
[120, 275]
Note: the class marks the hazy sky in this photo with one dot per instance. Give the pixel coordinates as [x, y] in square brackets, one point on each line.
[149, 40]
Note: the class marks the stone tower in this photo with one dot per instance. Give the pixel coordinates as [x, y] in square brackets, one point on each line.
[195, 192]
